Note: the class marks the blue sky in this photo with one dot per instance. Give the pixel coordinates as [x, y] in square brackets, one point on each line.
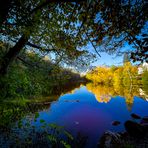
[113, 59]
[105, 58]
[108, 60]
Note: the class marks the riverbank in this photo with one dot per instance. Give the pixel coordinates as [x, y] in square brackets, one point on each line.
[36, 78]
[135, 136]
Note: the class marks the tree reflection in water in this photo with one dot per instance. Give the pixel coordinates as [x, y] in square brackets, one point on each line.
[104, 93]
[80, 104]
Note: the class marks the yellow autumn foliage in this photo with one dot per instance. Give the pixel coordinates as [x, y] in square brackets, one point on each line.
[123, 75]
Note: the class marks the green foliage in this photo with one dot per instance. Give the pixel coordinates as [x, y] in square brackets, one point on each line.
[52, 138]
[145, 78]
[14, 120]
[129, 146]
[109, 23]
[36, 115]
[20, 124]
[65, 144]
[68, 135]
[145, 81]
[42, 121]
[34, 77]
[53, 135]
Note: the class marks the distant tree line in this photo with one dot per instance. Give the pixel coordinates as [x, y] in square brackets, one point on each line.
[117, 75]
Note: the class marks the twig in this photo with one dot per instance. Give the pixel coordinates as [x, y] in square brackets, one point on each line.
[92, 45]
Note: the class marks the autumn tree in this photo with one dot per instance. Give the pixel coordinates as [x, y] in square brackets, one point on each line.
[119, 75]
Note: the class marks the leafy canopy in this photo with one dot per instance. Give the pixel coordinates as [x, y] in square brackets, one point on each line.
[63, 29]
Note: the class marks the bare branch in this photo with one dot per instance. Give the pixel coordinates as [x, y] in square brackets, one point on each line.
[27, 63]
[50, 1]
[39, 47]
[92, 45]
[84, 20]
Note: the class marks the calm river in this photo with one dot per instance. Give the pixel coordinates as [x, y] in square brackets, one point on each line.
[85, 112]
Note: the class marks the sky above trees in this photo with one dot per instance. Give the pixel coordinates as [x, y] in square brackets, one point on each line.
[109, 60]
[64, 29]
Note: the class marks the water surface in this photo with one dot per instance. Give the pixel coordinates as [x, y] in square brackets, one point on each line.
[90, 111]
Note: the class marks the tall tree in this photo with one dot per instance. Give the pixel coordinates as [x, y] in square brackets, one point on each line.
[63, 28]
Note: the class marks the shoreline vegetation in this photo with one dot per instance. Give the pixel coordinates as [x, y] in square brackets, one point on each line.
[32, 76]
[116, 76]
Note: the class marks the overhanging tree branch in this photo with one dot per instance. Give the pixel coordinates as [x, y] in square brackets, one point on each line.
[39, 47]
[51, 1]
[93, 45]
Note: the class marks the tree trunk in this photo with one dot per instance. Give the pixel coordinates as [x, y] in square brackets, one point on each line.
[12, 54]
